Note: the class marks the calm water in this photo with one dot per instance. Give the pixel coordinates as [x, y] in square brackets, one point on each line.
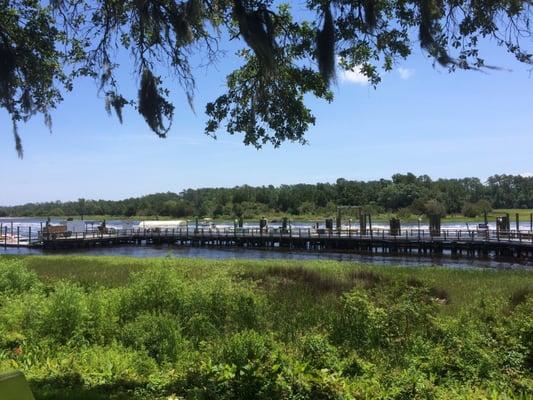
[248, 253]
[281, 254]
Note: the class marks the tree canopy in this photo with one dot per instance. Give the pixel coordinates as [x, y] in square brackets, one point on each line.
[46, 45]
[404, 195]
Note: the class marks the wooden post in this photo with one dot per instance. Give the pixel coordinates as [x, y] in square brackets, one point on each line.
[531, 222]
[18, 236]
[370, 224]
[5, 237]
[29, 236]
[517, 222]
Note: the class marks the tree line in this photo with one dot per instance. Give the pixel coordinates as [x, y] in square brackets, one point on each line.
[403, 194]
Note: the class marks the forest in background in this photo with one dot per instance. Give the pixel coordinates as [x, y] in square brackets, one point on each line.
[403, 194]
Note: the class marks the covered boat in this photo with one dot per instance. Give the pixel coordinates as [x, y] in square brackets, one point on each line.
[162, 225]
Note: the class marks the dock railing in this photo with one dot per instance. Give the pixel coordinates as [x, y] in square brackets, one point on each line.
[26, 237]
[409, 234]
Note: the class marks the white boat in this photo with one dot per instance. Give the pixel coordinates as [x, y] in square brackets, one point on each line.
[162, 225]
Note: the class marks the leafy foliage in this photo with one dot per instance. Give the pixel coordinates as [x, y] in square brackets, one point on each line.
[44, 46]
[406, 195]
[267, 330]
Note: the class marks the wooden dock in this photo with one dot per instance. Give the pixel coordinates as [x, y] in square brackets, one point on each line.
[474, 243]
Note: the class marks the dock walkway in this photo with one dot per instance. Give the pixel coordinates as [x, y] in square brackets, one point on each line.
[513, 243]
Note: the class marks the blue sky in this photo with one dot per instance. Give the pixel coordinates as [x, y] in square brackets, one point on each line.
[421, 119]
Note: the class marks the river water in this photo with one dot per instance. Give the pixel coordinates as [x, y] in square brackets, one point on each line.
[247, 253]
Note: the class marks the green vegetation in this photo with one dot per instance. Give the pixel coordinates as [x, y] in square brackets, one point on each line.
[121, 328]
[284, 56]
[406, 196]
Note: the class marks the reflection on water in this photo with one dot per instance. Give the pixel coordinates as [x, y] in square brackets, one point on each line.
[232, 253]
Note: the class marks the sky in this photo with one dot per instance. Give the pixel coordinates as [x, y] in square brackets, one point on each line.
[420, 119]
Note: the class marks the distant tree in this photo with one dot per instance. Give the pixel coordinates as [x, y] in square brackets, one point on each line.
[433, 208]
[56, 212]
[321, 199]
[475, 209]
[285, 57]
[484, 206]
[306, 207]
[470, 210]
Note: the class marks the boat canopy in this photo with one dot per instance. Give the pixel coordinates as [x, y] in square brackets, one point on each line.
[162, 224]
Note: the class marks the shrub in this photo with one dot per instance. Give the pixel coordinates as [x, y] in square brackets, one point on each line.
[157, 334]
[199, 327]
[106, 365]
[155, 290]
[519, 296]
[359, 323]
[64, 314]
[318, 352]
[15, 278]
[245, 347]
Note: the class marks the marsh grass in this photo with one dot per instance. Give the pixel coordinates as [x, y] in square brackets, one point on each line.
[117, 327]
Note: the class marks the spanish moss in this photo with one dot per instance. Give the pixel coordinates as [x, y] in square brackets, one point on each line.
[370, 14]
[428, 29]
[18, 141]
[257, 30]
[117, 102]
[325, 42]
[153, 106]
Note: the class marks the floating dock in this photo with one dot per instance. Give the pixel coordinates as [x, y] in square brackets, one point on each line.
[514, 244]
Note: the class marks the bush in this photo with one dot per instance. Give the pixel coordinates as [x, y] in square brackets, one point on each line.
[318, 352]
[110, 364]
[15, 278]
[157, 334]
[359, 323]
[245, 347]
[201, 330]
[65, 313]
[155, 291]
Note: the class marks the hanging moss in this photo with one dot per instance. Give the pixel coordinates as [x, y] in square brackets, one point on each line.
[115, 101]
[370, 14]
[18, 141]
[428, 31]
[257, 30]
[182, 28]
[153, 106]
[325, 43]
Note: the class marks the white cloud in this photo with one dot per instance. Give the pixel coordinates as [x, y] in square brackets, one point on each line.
[527, 174]
[354, 76]
[406, 73]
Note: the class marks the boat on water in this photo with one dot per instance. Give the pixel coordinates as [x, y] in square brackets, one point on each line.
[155, 226]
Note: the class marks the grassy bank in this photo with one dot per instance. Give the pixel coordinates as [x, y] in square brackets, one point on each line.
[114, 327]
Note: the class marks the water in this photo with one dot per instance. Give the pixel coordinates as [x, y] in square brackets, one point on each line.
[253, 253]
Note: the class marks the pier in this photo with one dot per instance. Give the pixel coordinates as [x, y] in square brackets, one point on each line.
[516, 244]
